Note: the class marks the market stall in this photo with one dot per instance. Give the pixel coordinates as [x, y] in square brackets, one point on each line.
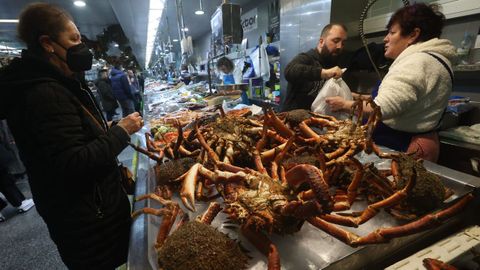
[309, 248]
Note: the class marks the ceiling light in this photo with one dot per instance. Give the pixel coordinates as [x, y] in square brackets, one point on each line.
[200, 10]
[8, 21]
[115, 45]
[79, 3]
[154, 15]
[185, 29]
[175, 40]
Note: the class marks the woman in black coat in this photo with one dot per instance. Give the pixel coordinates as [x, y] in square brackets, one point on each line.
[68, 148]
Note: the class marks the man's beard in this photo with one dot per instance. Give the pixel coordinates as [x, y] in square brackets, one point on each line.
[330, 56]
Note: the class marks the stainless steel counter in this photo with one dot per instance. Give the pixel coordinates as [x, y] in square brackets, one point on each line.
[310, 248]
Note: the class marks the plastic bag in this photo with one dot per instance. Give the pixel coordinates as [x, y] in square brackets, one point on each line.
[257, 56]
[332, 87]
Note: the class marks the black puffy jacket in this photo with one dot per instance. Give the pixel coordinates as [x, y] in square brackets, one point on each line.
[71, 162]
[304, 80]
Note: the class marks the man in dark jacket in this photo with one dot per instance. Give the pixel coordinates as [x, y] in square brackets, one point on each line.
[109, 102]
[307, 72]
[122, 91]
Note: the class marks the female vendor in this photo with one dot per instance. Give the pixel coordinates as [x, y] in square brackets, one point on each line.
[231, 74]
[414, 93]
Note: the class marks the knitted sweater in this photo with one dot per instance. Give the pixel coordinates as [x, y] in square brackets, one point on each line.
[414, 93]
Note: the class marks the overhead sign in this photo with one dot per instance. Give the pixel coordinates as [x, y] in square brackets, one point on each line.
[249, 20]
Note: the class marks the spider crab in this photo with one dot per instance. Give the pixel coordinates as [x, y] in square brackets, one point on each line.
[281, 203]
[209, 249]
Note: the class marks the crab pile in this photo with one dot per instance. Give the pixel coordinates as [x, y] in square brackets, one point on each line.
[275, 173]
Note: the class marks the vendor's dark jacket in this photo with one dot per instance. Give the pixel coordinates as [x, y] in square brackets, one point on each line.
[303, 74]
[109, 102]
[71, 162]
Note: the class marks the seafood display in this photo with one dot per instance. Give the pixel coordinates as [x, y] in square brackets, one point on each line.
[272, 174]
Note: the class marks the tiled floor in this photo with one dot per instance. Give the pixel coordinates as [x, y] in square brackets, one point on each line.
[25, 241]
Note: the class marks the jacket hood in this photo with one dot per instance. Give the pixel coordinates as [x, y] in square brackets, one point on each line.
[115, 72]
[442, 47]
[21, 74]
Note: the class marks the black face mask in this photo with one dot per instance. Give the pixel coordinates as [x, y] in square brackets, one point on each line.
[79, 57]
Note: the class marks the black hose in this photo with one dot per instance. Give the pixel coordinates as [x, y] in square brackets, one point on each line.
[362, 34]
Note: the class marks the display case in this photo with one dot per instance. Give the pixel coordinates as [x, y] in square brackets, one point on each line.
[311, 248]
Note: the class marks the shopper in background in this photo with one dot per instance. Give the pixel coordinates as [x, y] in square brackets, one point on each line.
[69, 150]
[104, 86]
[7, 181]
[141, 81]
[414, 93]
[226, 67]
[135, 87]
[122, 90]
[307, 72]
[185, 75]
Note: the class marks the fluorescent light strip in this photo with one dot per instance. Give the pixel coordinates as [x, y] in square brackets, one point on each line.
[8, 21]
[154, 15]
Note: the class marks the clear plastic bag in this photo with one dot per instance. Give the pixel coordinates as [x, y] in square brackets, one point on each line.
[332, 87]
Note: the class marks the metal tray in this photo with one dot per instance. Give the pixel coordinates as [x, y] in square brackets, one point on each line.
[311, 248]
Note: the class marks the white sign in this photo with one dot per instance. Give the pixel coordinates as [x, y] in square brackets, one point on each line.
[249, 20]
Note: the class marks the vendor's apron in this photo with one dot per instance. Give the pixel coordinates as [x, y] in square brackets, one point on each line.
[425, 144]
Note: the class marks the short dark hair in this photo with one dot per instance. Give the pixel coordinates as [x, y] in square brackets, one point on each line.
[427, 18]
[329, 26]
[39, 19]
[224, 61]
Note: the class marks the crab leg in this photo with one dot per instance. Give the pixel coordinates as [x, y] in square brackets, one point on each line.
[211, 154]
[166, 226]
[212, 211]
[385, 234]
[150, 146]
[307, 131]
[270, 154]
[428, 221]
[307, 173]
[272, 134]
[145, 152]
[229, 153]
[258, 148]
[372, 209]
[185, 152]
[264, 245]
[187, 193]
[352, 188]
[277, 124]
[278, 159]
[179, 139]
[434, 264]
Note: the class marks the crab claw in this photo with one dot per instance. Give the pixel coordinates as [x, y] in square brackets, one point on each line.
[187, 193]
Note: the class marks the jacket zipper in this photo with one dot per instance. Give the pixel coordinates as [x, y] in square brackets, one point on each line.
[98, 199]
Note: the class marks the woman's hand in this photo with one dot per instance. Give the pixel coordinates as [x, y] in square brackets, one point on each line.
[338, 104]
[334, 72]
[131, 123]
